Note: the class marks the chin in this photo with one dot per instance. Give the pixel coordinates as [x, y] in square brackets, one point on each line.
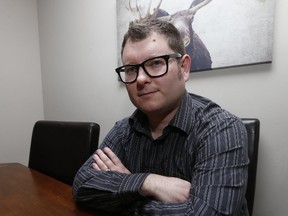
[150, 109]
[147, 105]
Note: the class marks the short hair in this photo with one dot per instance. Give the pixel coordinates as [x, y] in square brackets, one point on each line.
[141, 29]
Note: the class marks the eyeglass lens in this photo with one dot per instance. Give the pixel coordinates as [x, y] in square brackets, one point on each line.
[154, 67]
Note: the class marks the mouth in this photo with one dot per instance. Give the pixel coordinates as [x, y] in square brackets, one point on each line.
[146, 94]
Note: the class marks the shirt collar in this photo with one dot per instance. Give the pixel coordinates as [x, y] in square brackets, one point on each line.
[184, 117]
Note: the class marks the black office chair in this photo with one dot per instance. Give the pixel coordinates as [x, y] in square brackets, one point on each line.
[58, 148]
[253, 129]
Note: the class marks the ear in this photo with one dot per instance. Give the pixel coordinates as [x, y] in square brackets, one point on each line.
[185, 66]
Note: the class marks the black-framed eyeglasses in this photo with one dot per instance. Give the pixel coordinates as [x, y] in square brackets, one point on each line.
[153, 67]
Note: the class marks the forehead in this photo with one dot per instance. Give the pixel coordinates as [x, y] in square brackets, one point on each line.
[137, 51]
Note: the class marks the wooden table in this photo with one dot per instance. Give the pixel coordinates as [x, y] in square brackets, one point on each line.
[24, 191]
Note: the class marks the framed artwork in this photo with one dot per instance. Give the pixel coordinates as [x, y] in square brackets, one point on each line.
[216, 33]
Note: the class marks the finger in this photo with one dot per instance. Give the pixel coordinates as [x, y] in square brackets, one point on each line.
[95, 166]
[104, 159]
[100, 164]
[118, 166]
[113, 157]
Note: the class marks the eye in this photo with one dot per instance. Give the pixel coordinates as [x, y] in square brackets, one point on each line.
[130, 70]
[154, 63]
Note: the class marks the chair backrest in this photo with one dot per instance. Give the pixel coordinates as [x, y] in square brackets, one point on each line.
[58, 148]
[253, 129]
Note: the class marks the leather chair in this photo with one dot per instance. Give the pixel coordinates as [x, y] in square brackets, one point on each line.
[59, 148]
[253, 129]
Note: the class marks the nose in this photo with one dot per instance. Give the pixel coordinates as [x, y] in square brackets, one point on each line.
[143, 76]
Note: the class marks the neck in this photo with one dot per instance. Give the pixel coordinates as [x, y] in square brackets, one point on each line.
[158, 122]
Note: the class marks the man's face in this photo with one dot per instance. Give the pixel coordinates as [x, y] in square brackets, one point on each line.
[155, 95]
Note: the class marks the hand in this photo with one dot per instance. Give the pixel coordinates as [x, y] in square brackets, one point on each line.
[166, 189]
[106, 160]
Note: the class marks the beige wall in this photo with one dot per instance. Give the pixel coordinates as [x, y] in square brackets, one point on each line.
[21, 101]
[78, 55]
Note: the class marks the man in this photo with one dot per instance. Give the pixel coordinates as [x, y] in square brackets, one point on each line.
[178, 153]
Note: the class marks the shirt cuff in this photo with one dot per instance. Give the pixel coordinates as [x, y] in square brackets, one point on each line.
[131, 185]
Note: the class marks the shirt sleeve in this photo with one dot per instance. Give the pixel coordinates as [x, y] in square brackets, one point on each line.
[107, 190]
[220, 175]
[218, 183]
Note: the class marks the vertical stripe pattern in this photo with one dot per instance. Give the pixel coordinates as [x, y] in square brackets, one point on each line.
[203, 144]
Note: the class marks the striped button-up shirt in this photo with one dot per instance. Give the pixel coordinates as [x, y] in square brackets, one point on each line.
[203, 144]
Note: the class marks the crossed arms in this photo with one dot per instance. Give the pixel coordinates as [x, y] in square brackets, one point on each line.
[217, 186]
[160, 188]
